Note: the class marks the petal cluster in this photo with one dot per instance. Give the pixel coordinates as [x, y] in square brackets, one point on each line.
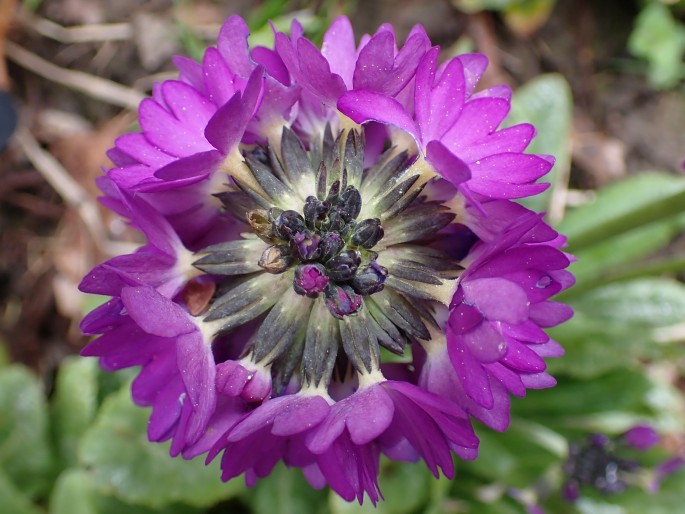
[304, 207]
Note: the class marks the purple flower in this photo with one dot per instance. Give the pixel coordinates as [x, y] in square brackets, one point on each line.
[608, 465]
[285, 249]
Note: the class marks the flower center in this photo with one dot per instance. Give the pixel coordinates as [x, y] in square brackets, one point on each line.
[328, 248]
[335, 256]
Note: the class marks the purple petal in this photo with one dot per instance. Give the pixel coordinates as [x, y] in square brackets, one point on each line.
[315, 73]
[363, 106]
[447, 164]
[477, 119]
[485, 343]
[507, 377]
[474, 67]
[165, 131]
[513, 168]
[538, 380]
[549, 314]
[137, 146]
[445, 98]
[641, 437]
[300, 416]
[339, 50]
[232, 44]
[225, 130]
[272, 63]
[470, 371]
[521, 358]
[369, 415]
[196, 363]
[190, 107]
[190, 71]
[165, 412]
[497, 299]
[188, 170]
[155, 314]
[509, 140]
[218, 78]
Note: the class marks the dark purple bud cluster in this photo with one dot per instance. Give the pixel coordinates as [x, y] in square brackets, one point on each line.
[330, 249]
[596, 464]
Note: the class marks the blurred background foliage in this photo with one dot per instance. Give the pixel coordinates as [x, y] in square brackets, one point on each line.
[603, 83]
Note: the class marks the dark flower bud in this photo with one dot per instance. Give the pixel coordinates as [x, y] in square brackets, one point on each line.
[370, 279]
[336, 223]
[276, 259]
[259, 221]
[310, 280]
[330, 245]
[333, 193]
[367, 233]
[288, 224]
[305, 245]
[315, 211]
[342, 301]
[350, 203]
[343, 266]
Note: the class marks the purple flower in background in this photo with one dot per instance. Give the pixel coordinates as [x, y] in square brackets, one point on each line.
[308, 211]
[612, 464]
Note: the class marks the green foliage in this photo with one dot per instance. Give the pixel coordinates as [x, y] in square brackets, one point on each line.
[659, 39]
[25, 455]
[73, 405]
[125, 464]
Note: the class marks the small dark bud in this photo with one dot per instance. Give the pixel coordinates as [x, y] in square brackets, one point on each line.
[276, 259]
[370, 279]
[288, 224]
[305, 245]
[333, 193]
[336, 223]
[315, 211]
[367, 233]
[343, 266]
[310, 280]
[350, 203]
[342, 301]
[331, 244]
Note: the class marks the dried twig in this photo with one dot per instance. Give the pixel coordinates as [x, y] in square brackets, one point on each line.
[96, 87]
[95, 33]
[59, 178]
[6, 10]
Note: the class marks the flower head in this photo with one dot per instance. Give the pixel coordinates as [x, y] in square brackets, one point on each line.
[308, 211]
[612, 464]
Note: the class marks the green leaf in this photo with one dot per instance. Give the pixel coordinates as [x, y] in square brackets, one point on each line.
[24, 449]
[74, 404]
[125, 464]
[513, 458]
[13, 501]
[623, 206]
[647, 302]
[287, 492]
[473, 6]
[73, 494]
[620, 257]
[620, 324]
[546, 102]
[620, 390]
[405, 487]
[659, 39]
